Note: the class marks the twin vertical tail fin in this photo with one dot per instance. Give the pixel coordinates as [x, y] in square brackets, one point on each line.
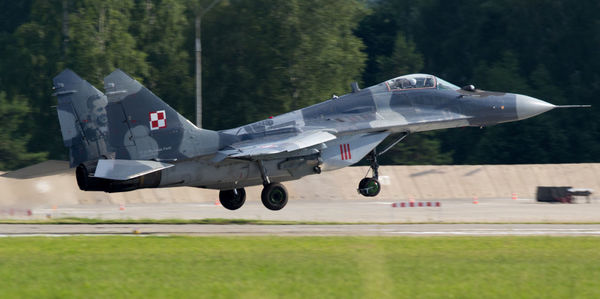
[112, 137]
[128, 123]
[83, 119]
[143, 127]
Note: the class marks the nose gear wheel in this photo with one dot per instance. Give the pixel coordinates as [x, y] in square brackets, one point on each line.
[369, 187]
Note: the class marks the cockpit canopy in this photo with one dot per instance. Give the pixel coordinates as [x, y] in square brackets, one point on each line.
[418, 81]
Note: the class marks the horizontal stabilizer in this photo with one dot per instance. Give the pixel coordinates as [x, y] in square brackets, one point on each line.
[274, 145]
[127, 169]
[46, 168]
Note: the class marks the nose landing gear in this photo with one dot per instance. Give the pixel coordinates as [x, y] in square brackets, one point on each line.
[370, 187]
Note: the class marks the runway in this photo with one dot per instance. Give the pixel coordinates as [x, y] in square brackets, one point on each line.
[389, 230]
[343, 211]
[364, 218]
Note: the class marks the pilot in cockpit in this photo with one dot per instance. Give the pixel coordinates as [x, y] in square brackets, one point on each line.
[404, 83]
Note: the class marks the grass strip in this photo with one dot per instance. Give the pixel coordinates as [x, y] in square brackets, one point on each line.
[299, 267]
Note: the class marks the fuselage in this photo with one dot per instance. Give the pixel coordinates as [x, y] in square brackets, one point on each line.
[360, 120]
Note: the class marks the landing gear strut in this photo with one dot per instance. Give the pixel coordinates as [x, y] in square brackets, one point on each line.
[274, 195]
[370, 186]
[232, 199]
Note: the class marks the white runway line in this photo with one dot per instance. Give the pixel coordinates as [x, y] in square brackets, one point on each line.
[16, 230]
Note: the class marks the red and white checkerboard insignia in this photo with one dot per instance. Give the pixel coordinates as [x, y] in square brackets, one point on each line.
[158, 120]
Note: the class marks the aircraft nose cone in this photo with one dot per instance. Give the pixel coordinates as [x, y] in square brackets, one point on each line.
[528, 106]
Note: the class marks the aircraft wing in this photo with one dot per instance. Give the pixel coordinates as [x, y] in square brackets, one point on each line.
[127, 169]
[273, 145]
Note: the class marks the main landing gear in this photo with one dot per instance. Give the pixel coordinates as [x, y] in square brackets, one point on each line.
[232, 199]
[274, 195]
[370, 186]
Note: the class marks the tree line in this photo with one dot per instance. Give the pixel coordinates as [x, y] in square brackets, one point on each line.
[267, 57]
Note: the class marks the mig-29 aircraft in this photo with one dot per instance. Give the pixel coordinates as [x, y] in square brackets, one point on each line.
[128, 138]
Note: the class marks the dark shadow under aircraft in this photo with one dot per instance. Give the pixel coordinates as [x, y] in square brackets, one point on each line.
[127, 138]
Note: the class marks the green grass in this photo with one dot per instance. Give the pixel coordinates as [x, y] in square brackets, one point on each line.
[300, 267]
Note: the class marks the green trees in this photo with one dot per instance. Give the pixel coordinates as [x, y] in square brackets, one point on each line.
[263, 58]
[270, 57]
[546, 49]
[13, 140]
[161, 30]
[90, 37]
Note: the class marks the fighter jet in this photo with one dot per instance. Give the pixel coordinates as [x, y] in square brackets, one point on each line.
[127, 138]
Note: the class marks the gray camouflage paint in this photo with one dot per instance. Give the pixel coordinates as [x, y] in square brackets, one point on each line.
[82, 116]
[354, 123]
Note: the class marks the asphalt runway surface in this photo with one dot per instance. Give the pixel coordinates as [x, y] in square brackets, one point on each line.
[344, 211]
[364, 217]
[16, 230]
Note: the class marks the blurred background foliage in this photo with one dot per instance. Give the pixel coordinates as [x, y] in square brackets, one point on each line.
[267, 57]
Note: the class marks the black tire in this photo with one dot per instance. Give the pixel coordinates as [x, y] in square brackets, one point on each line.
[369, 187]
[274, 196]
[230, 200]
